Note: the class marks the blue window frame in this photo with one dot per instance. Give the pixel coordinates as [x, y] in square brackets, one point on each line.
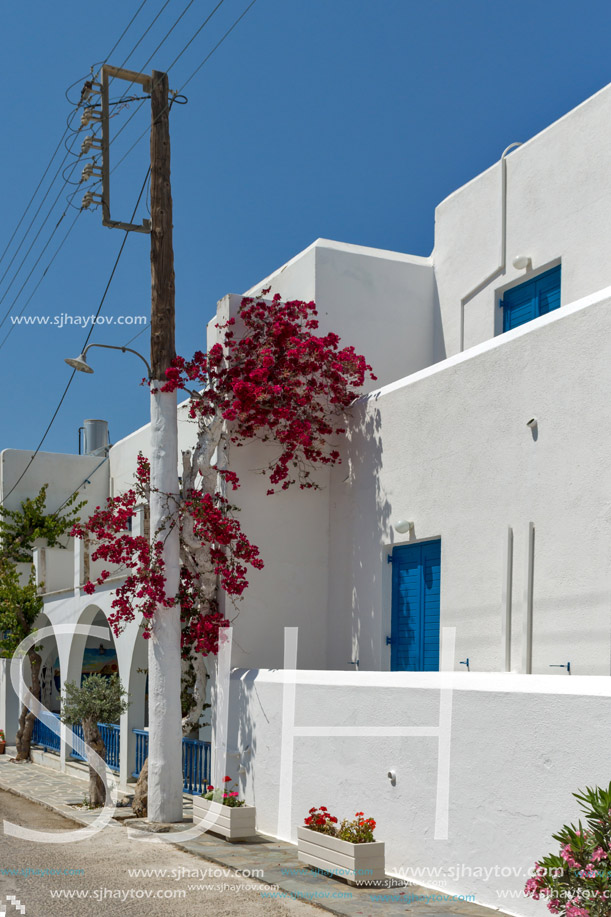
[531, 299]
[416, 570]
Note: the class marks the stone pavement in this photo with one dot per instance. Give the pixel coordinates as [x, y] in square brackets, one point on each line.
[276, 859]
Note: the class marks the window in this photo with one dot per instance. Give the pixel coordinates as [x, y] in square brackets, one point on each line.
[531, 299]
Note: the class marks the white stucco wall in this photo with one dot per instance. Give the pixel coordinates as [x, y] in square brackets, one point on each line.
[62, 472]
[558, 189]
[449, 448]
[513, 767]
[382, 303]
[124, 454]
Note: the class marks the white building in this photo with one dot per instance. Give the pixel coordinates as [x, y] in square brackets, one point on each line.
[489, 433]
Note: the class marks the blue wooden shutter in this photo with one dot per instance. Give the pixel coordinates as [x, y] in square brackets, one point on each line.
[416, 607]
[529, 300]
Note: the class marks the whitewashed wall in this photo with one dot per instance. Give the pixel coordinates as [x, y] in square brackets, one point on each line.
[558, 188]
[382, 303]
[519, 747]
[63, 473]
[449, 448]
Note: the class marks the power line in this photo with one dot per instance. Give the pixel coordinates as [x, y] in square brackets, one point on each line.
[136, 110]
[218, 44]
[66, 182]
[125, 30]
[36, 263]
[197, 69]
[194, 36]
[144, 34]
[69, 383]
[44, 174]
[71, 152]
[43, 275]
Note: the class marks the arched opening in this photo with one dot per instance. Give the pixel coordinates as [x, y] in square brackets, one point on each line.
[90, 655]
[46, 732]
[136, 719]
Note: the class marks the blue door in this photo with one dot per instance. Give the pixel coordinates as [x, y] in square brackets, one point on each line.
[416, 570]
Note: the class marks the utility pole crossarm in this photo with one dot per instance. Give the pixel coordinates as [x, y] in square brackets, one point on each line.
[145, 81]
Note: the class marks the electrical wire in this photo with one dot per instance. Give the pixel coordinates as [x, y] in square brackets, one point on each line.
[44, 174]
[197, 69]
[205, 22]
[116, 263]
[125, 30]
[70, 151]
[69, 383]
[42, 276]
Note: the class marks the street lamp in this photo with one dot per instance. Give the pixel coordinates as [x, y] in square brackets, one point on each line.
[80, 363]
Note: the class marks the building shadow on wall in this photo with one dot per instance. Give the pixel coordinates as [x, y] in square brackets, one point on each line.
[366, 522]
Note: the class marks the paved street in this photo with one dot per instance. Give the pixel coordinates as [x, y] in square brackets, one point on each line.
[106, 860]
[190, 865]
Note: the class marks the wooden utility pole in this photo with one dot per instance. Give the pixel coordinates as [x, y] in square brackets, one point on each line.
[165, 715]
[164, 656]
[162, 252]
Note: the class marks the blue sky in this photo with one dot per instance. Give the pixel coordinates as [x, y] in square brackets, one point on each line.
[343, 119]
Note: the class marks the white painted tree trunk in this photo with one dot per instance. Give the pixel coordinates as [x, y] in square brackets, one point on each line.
[165, 732]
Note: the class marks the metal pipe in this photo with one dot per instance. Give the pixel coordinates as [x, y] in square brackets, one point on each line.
[503, 252]
[527, 646]
[507, 597]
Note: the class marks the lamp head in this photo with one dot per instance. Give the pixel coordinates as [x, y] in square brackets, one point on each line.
[79, 363]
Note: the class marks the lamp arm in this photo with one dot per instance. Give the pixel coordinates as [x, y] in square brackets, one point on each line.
[123, 349]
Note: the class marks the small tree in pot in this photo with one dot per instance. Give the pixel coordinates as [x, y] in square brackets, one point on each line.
[99, 700]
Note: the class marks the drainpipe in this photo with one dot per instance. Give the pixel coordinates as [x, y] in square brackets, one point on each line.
[503, 253]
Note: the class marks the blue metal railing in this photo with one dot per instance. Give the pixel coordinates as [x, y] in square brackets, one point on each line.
[195, 761]
[142, 749]
[43, 736]
[196, 755]
[111, 736]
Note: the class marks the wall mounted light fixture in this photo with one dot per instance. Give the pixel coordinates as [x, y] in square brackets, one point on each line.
[522, 263]
[403, 525]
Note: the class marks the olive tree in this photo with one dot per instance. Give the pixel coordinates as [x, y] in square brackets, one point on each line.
[100, 699]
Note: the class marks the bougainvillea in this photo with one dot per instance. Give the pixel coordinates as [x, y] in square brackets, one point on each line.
[143, 589]
[276, 380]
[270, 377]
[576, 882]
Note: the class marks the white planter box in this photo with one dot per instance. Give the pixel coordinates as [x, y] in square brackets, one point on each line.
[358, 864]
[232, 822]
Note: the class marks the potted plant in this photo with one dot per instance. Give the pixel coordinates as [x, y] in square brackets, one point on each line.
[347, 850]
[2, 742]
[234, 820]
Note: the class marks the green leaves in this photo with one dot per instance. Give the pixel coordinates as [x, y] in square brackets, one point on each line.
[99, 698]
[19, 607]
[19, 529]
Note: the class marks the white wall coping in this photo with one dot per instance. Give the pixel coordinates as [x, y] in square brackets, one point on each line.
[492, 682]
[527, 143]
[500, 340]
[348, 247]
